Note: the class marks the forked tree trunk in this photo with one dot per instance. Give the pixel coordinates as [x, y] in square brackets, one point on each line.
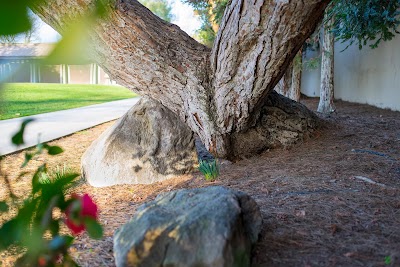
[326, 104]
[218, 93]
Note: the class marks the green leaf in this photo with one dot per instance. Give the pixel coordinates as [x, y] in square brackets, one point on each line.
[46, 211]
[64, 182]
[210, 169]
[14, 17]
[94, 229]
[3, 206]
[73, 47]
[68, 178]
[36, 178]
[18, 138]
[54, 227]
[33, 241]
[54, 150]
[101, 8]
[364, 22]
[28, 157]
[10, 233]
[68, 240]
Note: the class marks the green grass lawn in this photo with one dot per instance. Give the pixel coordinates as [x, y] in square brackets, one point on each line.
[24, 99]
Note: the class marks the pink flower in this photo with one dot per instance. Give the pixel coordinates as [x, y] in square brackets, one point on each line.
[82, 207]
[42, 261]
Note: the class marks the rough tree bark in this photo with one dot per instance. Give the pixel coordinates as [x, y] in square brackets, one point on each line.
[289, 85]
[326, 104]
[295, 90]
[218, 93]
[284, 85]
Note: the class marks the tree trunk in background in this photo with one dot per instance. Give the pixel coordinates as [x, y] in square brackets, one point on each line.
[295, 90]
[290, 84]
[326, 104]
[220, 93]
[214, 24]
[285, 83]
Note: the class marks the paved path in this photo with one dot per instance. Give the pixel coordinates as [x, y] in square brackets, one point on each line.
[57, 124]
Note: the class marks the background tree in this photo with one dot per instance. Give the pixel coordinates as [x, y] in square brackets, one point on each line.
[8, 39]
[290, 84]
[366, 22]
[211, 13]
[326, 97]
[32, 34]
[285, 84]
[28, 36]
[295, 90]
[159, 7]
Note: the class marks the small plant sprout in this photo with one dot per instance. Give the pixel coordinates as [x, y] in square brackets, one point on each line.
[388, 260]
[55, 174]
[210, 169]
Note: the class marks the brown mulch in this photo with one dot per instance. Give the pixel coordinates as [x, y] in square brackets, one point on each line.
[315, 211]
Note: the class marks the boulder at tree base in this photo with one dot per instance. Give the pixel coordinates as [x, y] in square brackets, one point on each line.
[148, 144]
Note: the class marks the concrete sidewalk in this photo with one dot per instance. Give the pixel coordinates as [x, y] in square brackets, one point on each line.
[57, 124]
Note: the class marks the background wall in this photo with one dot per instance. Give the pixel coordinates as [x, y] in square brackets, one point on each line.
[311, 78]
[369, 76]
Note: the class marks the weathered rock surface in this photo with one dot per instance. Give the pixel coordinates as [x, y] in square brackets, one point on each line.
[212, 226]
[281, 122]
[148, 144]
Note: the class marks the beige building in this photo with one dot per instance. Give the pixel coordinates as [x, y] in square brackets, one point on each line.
[21, 63]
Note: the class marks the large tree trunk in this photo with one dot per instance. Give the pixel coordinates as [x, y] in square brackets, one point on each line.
[217, 93]
[326, 104]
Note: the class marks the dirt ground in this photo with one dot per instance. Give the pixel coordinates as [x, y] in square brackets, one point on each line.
[316, 209]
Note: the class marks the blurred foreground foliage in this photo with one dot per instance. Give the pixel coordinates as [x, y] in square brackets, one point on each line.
[34, 228]
[161, 8]
[34, 231]
[211, 13]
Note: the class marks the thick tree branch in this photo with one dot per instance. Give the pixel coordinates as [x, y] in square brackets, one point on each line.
[147, 55]
[257, 41]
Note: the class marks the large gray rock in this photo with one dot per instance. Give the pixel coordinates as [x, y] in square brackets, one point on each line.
[212, 226]
[148, 144]
[281, 122]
